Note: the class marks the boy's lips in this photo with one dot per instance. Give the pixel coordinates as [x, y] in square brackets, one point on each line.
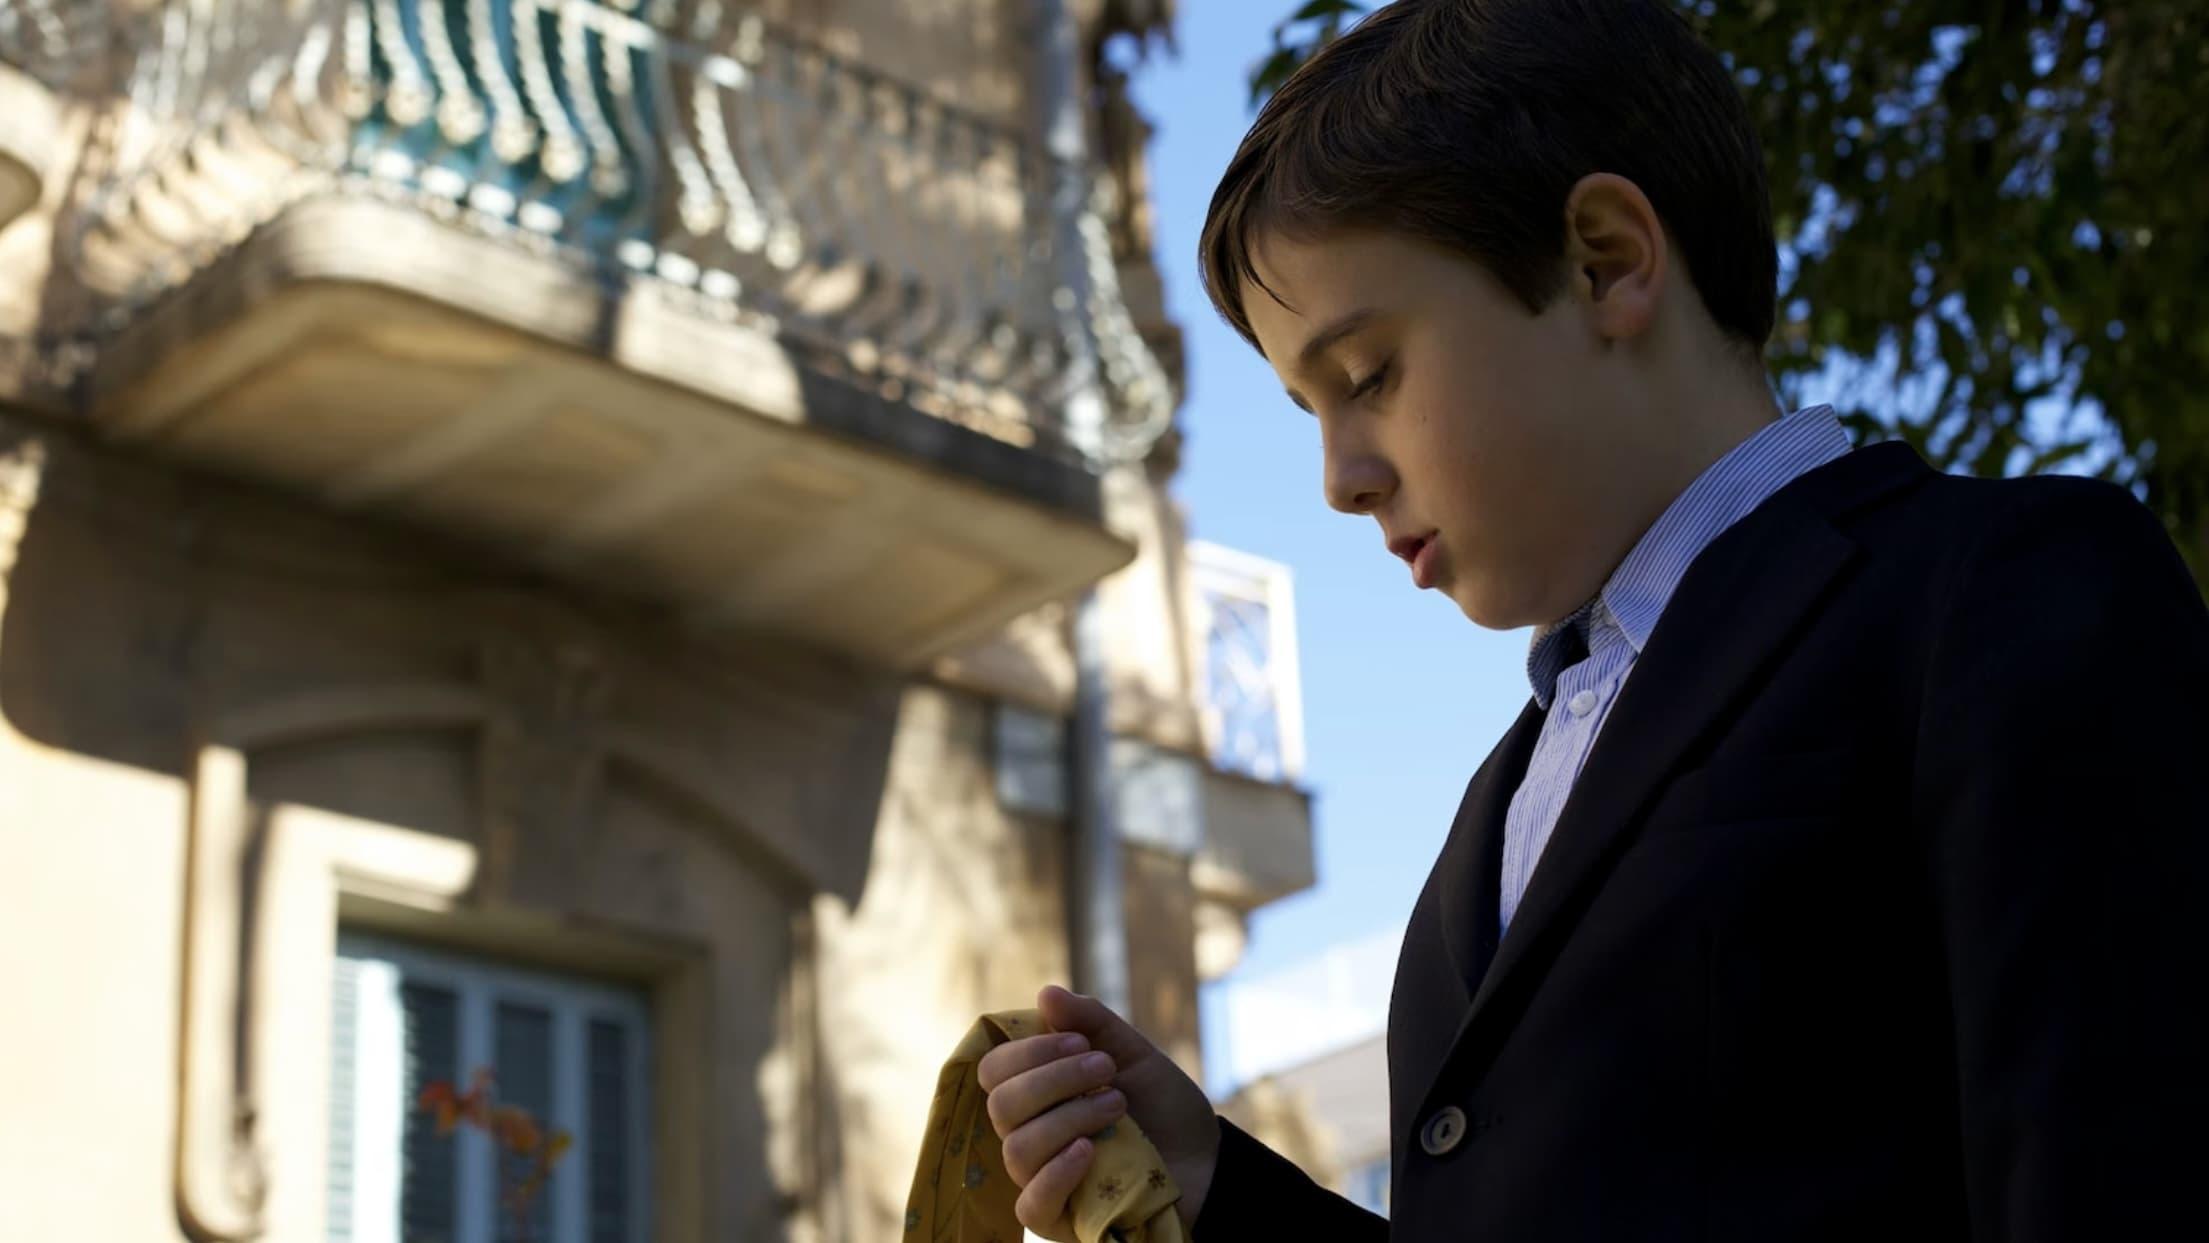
[1422, 565]
[1419, 551]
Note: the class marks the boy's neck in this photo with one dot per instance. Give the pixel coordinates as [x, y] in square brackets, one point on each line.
[1704, 422]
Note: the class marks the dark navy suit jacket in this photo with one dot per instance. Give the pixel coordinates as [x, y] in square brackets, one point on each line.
[1879, 911]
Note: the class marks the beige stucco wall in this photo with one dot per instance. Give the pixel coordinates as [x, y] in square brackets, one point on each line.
[88, 960]
[807, 865]
[1162, 964]
[1281, 1117]
[961, 916]
[1150, 652]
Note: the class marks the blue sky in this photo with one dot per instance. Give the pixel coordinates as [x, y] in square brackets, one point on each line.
[1402, 695]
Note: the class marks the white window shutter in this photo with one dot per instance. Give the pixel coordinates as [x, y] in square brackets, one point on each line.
[344, 1118]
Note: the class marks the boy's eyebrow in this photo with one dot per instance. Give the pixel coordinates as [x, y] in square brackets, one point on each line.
[1336, 331]
[1343, 326]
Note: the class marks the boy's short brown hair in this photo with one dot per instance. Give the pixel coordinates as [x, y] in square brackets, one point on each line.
[1467, 122]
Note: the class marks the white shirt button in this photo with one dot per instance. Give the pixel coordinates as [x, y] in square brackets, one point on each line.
[1582, 704]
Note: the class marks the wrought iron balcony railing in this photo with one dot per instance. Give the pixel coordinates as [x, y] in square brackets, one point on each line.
[54, 41]
[882, 232]
[46, 47]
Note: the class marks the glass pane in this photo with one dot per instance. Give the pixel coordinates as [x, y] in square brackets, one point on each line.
[522, 1044]
[427, 1180]
[608, 1093]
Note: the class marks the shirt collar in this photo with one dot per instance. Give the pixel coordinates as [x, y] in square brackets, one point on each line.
[1638, 590]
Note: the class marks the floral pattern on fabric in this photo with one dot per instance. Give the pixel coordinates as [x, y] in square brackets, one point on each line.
[962, 1193]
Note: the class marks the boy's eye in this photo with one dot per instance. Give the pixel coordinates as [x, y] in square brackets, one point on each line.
[1370, 384]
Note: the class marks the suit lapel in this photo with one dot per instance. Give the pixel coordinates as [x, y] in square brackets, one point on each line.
[1733, 612]
[1466, 874]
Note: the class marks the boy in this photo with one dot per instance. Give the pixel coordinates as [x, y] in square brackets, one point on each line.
[1841, 878]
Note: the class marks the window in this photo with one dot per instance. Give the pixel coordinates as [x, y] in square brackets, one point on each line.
[570, 1051]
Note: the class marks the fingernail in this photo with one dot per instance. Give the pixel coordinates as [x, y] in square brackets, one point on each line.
[1113, 1101]
[1097, 1063]
[1073, 1044]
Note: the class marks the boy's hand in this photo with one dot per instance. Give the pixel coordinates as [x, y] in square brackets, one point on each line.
[1046, 1098]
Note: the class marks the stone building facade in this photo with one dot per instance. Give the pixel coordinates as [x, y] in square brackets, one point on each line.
[542, 536]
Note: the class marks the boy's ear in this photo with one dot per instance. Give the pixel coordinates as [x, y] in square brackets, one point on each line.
[1618, 253]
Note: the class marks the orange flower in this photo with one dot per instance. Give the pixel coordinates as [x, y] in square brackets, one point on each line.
[437, 1099]
[511, 1127]
[515, 1130]
[477, 1100]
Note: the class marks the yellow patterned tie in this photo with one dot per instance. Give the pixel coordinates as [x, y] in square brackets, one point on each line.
[962, 1194]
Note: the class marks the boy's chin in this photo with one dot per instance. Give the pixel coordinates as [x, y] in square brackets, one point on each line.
[1483, 609]
[1488, 607]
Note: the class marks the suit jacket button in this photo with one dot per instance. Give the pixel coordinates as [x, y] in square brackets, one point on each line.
[1443, 1132]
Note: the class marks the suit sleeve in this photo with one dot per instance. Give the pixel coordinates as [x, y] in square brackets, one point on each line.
[1256, 1193]
[2062, 782]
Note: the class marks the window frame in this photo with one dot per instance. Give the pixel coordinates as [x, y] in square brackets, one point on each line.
[480, 984]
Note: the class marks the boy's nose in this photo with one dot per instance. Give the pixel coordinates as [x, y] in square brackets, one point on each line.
[1358, 484]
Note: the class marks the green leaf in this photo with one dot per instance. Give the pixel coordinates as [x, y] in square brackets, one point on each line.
[1289, 54]
[1325, 8]
[2056, 455]
[1272, 72]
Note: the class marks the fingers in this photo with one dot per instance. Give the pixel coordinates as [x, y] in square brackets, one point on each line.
[1033, 1092]
[1017, 1056]
[1037, 1143]
[1071, 1012]
[1042, 1203]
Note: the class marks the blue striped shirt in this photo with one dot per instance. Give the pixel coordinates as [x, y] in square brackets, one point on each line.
[1579, 664]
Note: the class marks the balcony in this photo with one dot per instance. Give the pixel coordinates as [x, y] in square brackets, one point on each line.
[43, 49]
[653, 297]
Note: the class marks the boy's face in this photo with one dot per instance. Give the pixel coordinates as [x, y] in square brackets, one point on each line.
[1503, 454]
